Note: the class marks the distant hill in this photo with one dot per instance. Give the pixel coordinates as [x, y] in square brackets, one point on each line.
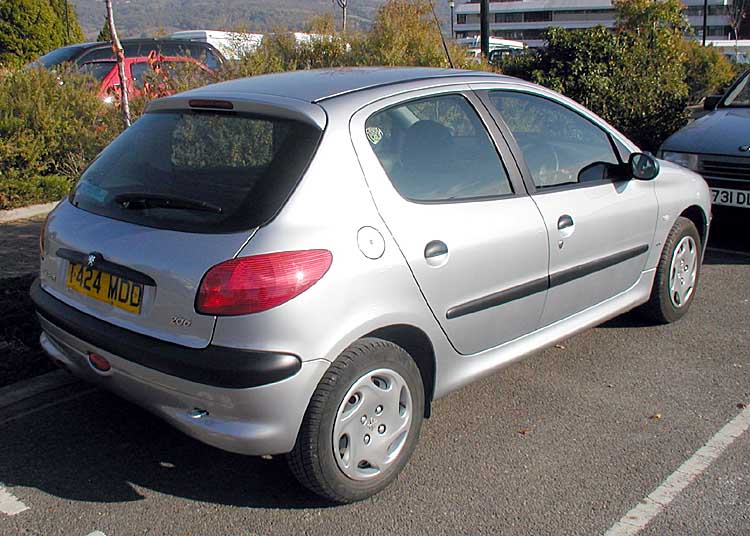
[145, 18]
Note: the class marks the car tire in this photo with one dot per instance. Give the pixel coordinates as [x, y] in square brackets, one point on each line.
[372, 399]
[677, 274]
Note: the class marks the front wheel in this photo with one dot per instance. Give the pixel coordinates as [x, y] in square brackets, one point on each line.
[677, 274]
[362, 423]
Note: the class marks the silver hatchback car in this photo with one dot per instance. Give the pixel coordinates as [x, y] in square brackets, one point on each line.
[301, 263]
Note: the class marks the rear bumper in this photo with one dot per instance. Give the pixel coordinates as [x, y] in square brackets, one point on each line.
[215, 365]
[256, 420]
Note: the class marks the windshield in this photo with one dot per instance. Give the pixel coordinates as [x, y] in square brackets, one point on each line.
[168, 165]
[59, 55]
[98, 69]
[739, 95]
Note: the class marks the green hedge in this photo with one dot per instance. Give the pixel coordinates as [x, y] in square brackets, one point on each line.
[51, 126]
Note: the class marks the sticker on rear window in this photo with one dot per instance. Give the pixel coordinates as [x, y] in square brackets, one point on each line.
[374, 134]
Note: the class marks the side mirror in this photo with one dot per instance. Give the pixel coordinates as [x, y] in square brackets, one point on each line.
[710, 103]
[643, 166]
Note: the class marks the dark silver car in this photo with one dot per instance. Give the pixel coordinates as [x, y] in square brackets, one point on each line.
[717, 145]
[301, 263]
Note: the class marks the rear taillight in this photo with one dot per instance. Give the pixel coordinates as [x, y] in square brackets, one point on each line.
[253, 284]
[42, 232]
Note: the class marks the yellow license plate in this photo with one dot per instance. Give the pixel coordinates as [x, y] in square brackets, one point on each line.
[112, 289]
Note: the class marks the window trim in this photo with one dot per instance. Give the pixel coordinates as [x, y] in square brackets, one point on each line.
[484, 96]
[505, 155]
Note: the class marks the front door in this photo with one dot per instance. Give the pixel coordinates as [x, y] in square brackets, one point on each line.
[457, 208]
[600, 223]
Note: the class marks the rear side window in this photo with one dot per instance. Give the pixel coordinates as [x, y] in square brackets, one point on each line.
[437, 149]
[98, 69]
[198, 172]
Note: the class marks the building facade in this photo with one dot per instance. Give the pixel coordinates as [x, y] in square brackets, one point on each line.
[526, 20]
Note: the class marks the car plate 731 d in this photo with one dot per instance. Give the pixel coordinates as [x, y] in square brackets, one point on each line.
[730, 198]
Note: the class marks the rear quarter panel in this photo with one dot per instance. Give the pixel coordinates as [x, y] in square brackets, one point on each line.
[357, 295]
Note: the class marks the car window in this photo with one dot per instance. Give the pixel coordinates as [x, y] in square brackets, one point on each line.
[243, 166]
[138, 73]
[196, 51]
[98, 69]
[739, 96]
[559, 145]
[437, 149]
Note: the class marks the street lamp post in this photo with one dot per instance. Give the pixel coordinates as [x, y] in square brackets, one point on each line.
[452, 5]
[705, 21]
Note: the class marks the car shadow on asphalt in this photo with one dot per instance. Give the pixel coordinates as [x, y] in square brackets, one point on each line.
[99, 448]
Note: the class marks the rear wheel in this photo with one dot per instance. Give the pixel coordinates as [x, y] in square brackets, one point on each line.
[677, 274]
[362, 423]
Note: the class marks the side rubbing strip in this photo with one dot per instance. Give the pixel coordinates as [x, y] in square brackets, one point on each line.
[498, 298]
[582, 270]
[542, 284]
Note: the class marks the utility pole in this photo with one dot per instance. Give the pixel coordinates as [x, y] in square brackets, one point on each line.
[705, 21]
[452, 5]
[120, 53]
[343, 5]
[484, 27]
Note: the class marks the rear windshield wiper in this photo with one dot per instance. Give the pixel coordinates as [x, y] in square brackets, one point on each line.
[144, 200]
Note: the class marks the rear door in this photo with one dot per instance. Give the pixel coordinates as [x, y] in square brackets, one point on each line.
[600, 224]
[455, 204]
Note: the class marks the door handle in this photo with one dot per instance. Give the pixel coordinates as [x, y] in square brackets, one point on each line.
[564, 222]
[435, 248]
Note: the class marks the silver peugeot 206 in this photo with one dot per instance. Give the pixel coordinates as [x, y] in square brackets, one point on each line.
[301, 263]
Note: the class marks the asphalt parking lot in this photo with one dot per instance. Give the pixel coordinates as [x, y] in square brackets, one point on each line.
[566, 442]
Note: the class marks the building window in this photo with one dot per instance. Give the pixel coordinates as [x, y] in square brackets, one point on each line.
[460, 19]
[537, 16]
[508, 17]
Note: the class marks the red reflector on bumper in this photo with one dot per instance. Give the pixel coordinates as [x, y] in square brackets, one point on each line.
[100, 363]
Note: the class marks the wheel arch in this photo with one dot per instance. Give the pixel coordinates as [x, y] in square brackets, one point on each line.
[419, 346]
[696, 214]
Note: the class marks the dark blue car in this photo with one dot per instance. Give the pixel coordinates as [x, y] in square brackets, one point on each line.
[717, 145]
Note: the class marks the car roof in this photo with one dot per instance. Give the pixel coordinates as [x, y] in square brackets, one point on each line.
[321, 84]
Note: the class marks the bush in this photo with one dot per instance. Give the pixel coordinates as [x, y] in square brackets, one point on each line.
[708, 71]
[51, 126]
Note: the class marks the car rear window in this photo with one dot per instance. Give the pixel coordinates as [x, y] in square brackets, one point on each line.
[221, 172]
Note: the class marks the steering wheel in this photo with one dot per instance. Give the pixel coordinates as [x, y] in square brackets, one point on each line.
[543, 162]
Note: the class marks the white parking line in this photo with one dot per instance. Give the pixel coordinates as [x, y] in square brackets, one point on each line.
[650, 507]
[9, 503]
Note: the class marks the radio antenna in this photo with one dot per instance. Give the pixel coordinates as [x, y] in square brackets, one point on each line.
[442, 37]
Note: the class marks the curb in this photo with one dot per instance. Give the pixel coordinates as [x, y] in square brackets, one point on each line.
[24, 213]
[25, 389]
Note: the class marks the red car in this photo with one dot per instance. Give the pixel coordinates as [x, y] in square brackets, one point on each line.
[136, 69]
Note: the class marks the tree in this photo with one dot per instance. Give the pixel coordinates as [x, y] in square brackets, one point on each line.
[30, 28]
[647, 16]
[343, 4]
[737, 10]
[69, 21]
[104, 35]
[404, 33]
[120, 54]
